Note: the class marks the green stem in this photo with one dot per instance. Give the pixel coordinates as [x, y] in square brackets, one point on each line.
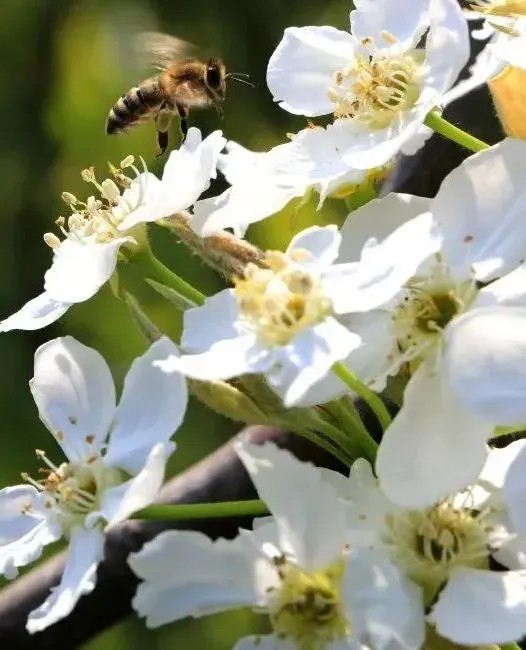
[436, 122]
[320, 441]
[355, 429]
[510, 646]
[156, 270]
[186, 511]
[371, 398]
[367, 192]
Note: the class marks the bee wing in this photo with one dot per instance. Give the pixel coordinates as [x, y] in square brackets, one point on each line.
[161, 50]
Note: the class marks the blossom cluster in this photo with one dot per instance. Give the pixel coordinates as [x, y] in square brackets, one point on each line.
[424, 539]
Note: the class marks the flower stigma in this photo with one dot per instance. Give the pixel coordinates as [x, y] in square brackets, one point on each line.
[375, 88]
[96, 220]
[279, 301]
[307, 608]
[429, 544]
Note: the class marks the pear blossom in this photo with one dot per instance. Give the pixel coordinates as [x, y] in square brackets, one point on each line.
[296, 567]
[452, 401]
[278, 321]
[450, 547]
[116, 457]
[93, 234]
[374, 80]
[262, 183]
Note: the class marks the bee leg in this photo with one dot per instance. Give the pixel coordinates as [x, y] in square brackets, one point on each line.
[164, 118]
[183, 124]
[219, 110]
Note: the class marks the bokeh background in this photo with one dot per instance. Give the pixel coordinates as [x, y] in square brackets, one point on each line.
[63, 64]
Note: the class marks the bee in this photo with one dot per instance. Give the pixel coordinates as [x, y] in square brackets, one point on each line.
[185, 81]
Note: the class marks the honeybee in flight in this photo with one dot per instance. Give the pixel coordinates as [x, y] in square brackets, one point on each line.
[185, 81]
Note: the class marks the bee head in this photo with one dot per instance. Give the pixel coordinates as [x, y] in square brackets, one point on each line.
[215, 77]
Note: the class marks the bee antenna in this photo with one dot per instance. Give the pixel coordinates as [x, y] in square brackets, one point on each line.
[241, 77]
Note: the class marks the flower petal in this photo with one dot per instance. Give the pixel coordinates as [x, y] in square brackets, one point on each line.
[310, 518]
[223, 360]
[385, 607]
[510, 290]
[486, 362]
[85, 551]
[302, 67]
[433, 443]
[205, 577]
[480, 208]
[122, 500]
[26, 526]
[514, 488]
[211, 322]
[385, 267]
[376, 220]
[481, 607]
[74, 392]
[321, 242]
[152, 407]
[79, 269]
[309, 358]
[188, 170]
[35, 314]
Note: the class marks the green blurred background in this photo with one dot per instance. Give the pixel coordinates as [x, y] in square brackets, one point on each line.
[64, 63]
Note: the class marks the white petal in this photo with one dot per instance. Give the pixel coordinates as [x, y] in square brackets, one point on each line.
[385, 267]
[204, 577]
[514, 489]
[26, 526]
[509, 290]
[482, 607]
[35, 314]
[75, 395]
[188, 171]
[140, 203]
[312, 353]
[152, 407]
[303, 65]
[213, 321]
[223, 360]
[500, 461]
[447, 44]
[122, 500]
[385, 607]
[480, 208]
[239, 206]
[510, 50]
[378, 219]
[85, 551]
[79, 269]
[486, 362]
[374, 19]
[433, 443]
[310, 518]
[321, 242]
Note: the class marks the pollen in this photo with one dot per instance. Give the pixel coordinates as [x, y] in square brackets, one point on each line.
[374, 89]
[306, 608]
[279, 301]
[431, 543]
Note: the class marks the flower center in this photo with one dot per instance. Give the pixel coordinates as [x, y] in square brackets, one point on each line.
[96, 220]
[74, 488]
[427, 306]
[429, 544]
[279, 301]
[307, 609]
[374, 89]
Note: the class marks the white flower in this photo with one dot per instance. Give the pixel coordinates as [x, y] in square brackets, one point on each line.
[115, 464]
[295, 566]
[263, 183]
[95, 231]
[452, 401]
[450, 547]
[374, 79]
[278, 321]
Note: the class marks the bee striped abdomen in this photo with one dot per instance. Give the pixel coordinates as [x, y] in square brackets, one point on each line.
[137, 103]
